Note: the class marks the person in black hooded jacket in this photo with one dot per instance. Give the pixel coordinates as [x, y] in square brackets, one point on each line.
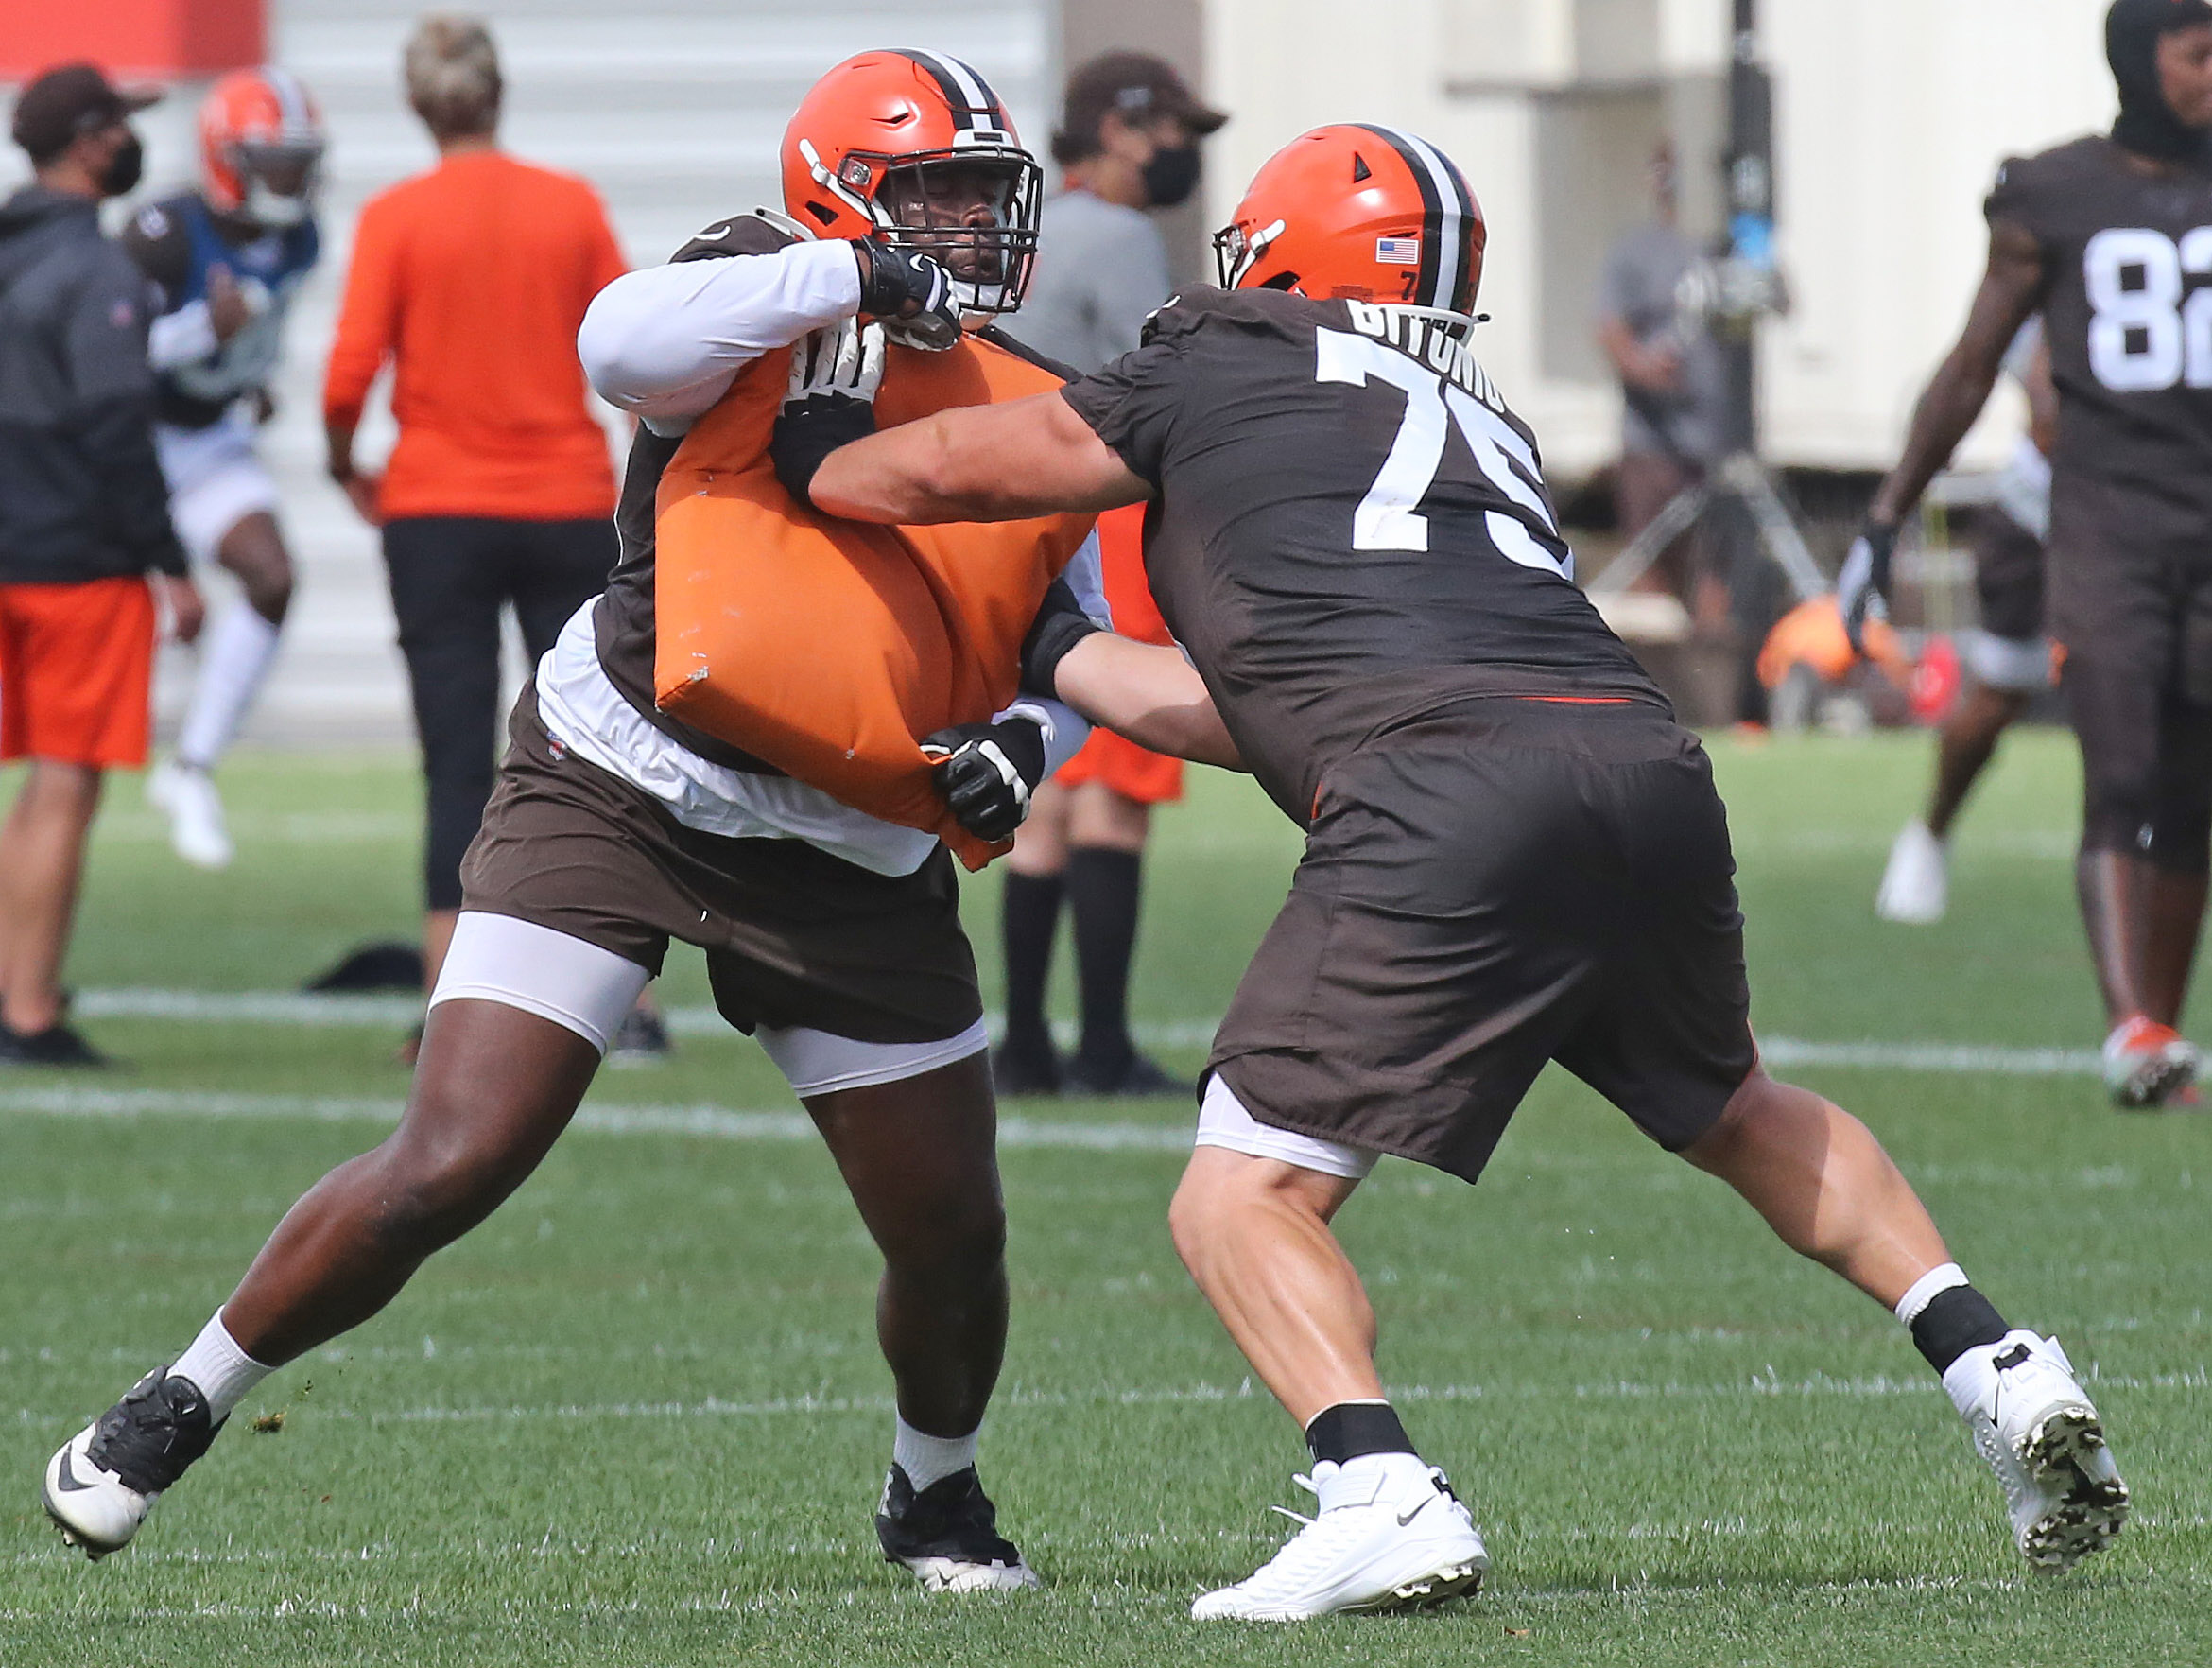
[85, 540]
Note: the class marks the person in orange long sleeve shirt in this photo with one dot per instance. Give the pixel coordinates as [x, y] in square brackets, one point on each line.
[469, 281]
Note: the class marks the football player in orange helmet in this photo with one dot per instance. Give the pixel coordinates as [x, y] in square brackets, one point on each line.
[913, 151]
[1513, 854]
[831, 936]
[228, 259]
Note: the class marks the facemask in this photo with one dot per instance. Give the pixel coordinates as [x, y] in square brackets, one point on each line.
[1171, 176]
[2147, 124]
[123, 168]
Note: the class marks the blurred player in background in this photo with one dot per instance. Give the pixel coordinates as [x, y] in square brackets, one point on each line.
[1128, 144]
[2111, 238]
[227, 259]
[85, 540]
[469, 281]
[2007, 656]
[1513, 854]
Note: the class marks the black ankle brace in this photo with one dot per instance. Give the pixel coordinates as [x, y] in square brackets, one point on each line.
[1956, 1319]
[1351, 1429]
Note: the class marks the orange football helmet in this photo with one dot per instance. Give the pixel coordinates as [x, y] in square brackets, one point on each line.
[914, 148]
[1368, 212]
[261, 147]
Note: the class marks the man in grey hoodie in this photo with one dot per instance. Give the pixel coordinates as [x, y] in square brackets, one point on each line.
[85, 540]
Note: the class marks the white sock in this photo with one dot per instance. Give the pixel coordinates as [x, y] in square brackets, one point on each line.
[223, 1372]
[234, 663]
[1940, 1279]
[928, 1459]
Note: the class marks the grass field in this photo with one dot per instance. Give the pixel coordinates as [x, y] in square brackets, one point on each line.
[638, 1417]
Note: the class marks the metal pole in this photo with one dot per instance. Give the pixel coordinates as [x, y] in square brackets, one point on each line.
[1749, 188]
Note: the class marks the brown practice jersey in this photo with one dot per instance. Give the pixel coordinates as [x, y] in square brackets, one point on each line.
[1351, 530]
[2127, 304]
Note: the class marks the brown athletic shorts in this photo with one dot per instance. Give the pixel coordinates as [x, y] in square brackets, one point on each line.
[792, 935]
[1492, 886]
[2007, 578]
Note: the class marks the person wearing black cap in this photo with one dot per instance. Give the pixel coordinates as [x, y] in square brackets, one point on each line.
[85, 539]
[2111, 238]
[1129, 142]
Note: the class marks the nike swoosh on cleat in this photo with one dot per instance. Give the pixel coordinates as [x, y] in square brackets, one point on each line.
[66, 1479]
[1405, 1517]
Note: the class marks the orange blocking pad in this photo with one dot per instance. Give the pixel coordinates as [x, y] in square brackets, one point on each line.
[828, 648]
[76, 672]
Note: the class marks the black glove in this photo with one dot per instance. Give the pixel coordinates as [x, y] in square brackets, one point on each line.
[987, 772]
[1862, 588]
[831, 401]
[1060, 625]
[893, 279]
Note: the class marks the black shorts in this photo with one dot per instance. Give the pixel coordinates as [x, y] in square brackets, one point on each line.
[2136, 609]
[2007, 578]
[1493, 886]
[793, 937]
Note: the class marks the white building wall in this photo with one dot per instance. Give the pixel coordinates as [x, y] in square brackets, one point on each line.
[1892, 117]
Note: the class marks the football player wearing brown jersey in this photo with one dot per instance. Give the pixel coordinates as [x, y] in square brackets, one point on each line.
[831, 935]
[1513, 854]
[2111, 238]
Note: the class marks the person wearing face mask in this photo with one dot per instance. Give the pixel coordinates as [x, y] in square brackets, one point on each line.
[1129, 144]
[2110, 238]
[85, 539]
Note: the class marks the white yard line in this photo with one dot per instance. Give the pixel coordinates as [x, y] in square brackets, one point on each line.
[719, 1122]
[381, 1011]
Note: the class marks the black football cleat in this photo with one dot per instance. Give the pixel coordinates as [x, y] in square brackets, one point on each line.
[641, 1039]
[59, 1045]
[1136, 1078]
[1024, 1070]
[103, 1481]
[947, 1534]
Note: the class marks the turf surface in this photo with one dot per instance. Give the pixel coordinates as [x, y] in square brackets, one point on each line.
[638, 1417]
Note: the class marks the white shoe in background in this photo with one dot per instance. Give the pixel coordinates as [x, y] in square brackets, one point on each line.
[1916, 887]
[2036, 1427]
[1390, 1536]
[196, 830]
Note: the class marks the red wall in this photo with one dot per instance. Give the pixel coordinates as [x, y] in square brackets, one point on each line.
[131, 37]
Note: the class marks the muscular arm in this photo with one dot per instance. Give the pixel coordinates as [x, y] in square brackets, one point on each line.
[2011, 288]
[1031, 457]
[1150, 693]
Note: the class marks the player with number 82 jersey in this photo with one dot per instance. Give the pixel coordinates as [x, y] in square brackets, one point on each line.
[2127, 259]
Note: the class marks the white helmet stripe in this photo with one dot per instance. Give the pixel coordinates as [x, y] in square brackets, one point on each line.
[297, 115]
[975, 92]
[1452, 200]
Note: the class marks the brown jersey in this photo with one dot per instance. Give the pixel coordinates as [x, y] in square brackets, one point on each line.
[1352, 530]
[2127, 307]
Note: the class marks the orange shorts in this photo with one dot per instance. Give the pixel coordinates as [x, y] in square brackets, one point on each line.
[1133, 771]
[77, 671]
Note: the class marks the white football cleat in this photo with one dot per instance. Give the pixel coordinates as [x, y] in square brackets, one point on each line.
[198, 832]
[2034, 1424]
[103, 1482]
[1390, 1536]
[1916, 887]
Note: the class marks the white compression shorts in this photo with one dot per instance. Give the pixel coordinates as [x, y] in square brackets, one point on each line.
[1224, 1123]
[215, 479]
[588, 990]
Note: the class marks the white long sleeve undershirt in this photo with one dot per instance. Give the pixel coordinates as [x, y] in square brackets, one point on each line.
[665, 342]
